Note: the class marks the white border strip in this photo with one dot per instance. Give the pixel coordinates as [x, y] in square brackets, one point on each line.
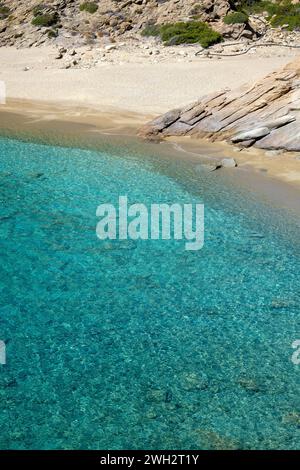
[2, 92]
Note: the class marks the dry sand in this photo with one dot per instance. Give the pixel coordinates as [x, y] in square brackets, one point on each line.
[118, 95]
[140, 87]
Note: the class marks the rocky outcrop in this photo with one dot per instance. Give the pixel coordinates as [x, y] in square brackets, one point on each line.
[113, 19]
[266, 114]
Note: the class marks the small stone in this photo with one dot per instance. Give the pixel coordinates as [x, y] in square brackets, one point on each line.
[247, 34]
[227, 163]
[273, 153]
[110, 47]
[25, 69]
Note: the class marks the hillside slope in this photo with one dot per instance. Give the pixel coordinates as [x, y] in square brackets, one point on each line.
[67, 20]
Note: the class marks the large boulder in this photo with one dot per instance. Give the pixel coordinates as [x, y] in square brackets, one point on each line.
[221, 8]
[266, 114]
[233, 31]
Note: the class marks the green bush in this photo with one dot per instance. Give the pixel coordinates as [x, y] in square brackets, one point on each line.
[4, 12]
[285, 13]
[237, 17]
[184, 33]
[151, 30]
[90, 7]
[38, 10]
[48, 19]
[281, 13]
[52, 33]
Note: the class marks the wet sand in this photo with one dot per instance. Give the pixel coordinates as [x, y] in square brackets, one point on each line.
[85, 128]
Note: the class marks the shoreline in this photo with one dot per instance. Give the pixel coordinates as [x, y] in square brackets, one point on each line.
[86, 128]
[127, 90]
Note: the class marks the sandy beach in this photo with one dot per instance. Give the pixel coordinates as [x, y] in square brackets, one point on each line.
[120, 95]
[141, 85]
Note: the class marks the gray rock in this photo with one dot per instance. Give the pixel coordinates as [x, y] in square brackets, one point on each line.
[273, 153]
[251, 134]
[278, 122]
[227, 163]
[265, 115]
[110, 47]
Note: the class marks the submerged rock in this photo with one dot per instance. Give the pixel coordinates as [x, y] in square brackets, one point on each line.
[36, 175]
[192, 381]
[249, 384]
[155, 395]
[266, 114]
[292, 418]
[212, 440]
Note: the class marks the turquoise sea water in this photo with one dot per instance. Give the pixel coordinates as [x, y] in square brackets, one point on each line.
[141, 344]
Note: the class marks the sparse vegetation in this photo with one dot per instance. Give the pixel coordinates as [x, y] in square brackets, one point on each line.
[151, 30]
[90, 7]
[280, 13]
[52, 33]
[44, 20]
[184, 33]
[196, 9]
[38, 10]
[237, 17]
[4, 12]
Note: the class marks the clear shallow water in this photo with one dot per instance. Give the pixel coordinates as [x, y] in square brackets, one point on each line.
[142, 344]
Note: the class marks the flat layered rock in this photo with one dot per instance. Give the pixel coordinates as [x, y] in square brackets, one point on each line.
[265, 115]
